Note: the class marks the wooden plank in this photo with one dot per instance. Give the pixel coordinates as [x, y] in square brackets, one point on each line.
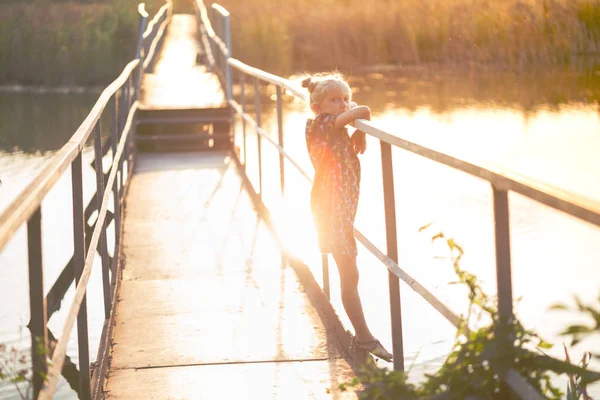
[174, 115]
[177, 82]
[204, 276]
[274, 381]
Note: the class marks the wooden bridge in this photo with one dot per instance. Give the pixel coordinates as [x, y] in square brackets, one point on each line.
[201, 299]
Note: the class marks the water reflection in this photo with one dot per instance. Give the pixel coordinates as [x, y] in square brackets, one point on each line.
[32, 128]
[543, 126]
[554, 256]
[445, 90]
[34, 122]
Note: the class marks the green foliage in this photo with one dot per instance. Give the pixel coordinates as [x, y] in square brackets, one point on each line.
[67, 43]
[382, 384]
[14, 367]
[515, 34]
[588, 12]
[578, 332]
[480, 357]
[576, 387]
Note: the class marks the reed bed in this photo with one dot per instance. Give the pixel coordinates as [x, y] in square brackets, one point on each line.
[67, 43]
[288, 36]
[87, 43]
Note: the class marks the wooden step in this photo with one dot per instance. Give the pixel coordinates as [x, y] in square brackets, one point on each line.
[183, 142]
[147, 115]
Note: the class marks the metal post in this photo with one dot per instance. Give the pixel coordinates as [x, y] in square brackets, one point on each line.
[215, 25]
[503, 276]
[325, 269]
[503, 267]
[280, 133]
[122, 104]
[258, 138]
[392, 253]
[116, 191]
[37, 302]
[78, 265]
[138, 53]
[227, 33]
[125, 116]
[99, 198]
[243, 102]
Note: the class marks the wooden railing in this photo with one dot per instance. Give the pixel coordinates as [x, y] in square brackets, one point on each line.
[217, 44]
[119, 100]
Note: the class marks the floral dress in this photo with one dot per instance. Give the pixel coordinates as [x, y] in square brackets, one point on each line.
[336, 187]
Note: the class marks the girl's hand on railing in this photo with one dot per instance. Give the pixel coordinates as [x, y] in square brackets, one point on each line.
[348, 117]
[359, 141]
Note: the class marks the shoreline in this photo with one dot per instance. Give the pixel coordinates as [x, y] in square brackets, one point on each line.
[421, 68]
[18, 88]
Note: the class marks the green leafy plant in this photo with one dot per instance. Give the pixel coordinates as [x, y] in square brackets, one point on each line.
[578, 332]
[576, 388]
[14, 369]
[481, 356]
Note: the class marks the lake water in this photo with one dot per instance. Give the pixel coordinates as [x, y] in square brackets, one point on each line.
[543, 126]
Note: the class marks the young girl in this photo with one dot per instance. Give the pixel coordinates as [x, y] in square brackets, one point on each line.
[334, 195]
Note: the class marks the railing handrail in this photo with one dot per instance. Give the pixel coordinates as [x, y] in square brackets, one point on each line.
[22, 208]
[54, 371]
[391, 265]
[501, 182]
[570, 203]
[154, 29]
[268, 77]
[26, 209]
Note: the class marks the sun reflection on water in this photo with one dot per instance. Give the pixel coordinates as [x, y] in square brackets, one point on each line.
[556, 147]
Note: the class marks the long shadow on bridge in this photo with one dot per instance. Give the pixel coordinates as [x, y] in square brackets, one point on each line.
[206, 308]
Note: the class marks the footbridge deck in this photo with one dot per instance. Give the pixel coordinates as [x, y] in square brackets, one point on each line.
[206, 308]
[200, 300]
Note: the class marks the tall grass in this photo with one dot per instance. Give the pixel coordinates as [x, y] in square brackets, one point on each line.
[345, 34]
[66, 43]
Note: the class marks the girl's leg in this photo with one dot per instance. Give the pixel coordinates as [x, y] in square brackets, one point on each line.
[350, 298]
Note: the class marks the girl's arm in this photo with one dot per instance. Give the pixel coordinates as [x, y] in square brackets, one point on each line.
[358, 112]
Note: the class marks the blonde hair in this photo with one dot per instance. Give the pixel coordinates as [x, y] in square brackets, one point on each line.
[319, 84]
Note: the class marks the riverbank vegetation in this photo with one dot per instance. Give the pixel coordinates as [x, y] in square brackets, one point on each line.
[486, 346]
[346, 34]
[75, 42]
[67, 43]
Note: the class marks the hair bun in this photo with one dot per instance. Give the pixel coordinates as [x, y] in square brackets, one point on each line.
[309, 84]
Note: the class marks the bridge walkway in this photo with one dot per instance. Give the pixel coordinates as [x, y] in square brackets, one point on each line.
[206, 309]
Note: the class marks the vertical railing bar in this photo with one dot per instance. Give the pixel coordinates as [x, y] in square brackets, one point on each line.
[503, 263]
[78, 265]
[131, 138]
[37, 302]
[243, 102]
[503, 274]
[138, 54]
[221, 21]
[227, 32]
[126, 112]
[280, 134]
[116, 191]
[258, 138]
[99, 198]
[392, 253]
[122, 104]
[325, 270]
